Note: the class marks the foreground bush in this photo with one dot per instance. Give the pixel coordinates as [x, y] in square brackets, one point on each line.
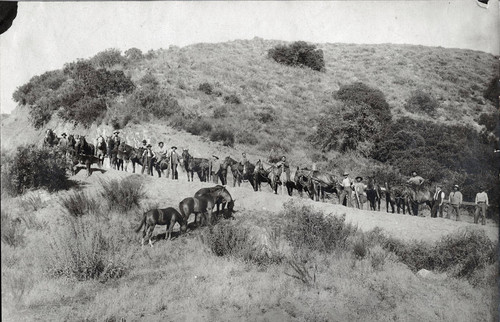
[298, 53]
[305, 227]
[32, 167]
[82, 251]
[123, 195]
[78, 203]
[12, 232]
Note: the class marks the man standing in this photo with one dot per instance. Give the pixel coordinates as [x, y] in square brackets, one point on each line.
[244, 161]
[285, 167]
[161, 155]
[147, 160]
[215, 169]
[116, 138]
[455, 199]
[359, 189]
[346, 190]
[481, 204]
[174, 161]
[438, 202]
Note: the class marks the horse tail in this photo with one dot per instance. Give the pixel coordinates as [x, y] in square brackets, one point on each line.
[143, 221]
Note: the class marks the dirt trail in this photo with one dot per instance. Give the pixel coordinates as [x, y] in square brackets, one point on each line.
[166, 192]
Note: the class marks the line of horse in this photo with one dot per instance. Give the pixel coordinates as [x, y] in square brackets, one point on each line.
[202, 203]
[315, 183]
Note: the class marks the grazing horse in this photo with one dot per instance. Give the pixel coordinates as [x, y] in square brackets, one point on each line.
[50, 139]
[238, 168]
[324, 182]
[303, 182]
[111, 152]
[168, 216]
[220, 195]
[414, 197]
[395, 195]
[101, 149]
[127, 153]
[373, 194]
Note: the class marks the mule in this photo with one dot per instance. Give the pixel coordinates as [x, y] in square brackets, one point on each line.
[85, 153]
[101, 149]
[50, 139]
[227, 163]
[239, 174]
[373, 194]
[168, 216]
[324, 182]
[127, 154]
[260, 175]
[395, 196]
[221, 197]
[201, 166]
[303, 182]
[415, 197]
[161, 165]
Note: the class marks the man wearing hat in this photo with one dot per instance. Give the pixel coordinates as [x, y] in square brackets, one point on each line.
[359, 190]
[455, 199]
[161, 156]
[346, 190]
[215, 169]
[116, 138]
[481, 204]
[63, 142]
[147, 159]
[438, 202]
[174, 161]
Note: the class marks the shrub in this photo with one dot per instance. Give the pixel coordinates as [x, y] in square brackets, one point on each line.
[32, 202]
[78, 203]
[225, 136]
[266, 116]
[12, 232]
[300, 54]
[133, 54]
[492, 92]
[489, 120]
[107, 58]
[360, 93]
[206, 88]
[308, 228]
[123, 195]
[220, 112]
[34, 167]
[232, 99]
[422, 102]
[198, 126]
[245, 137]
[81, 250]
[155, 101]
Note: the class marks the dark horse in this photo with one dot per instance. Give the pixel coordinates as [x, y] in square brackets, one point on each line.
[221, 197]
[228, 162]
[50, 139]
[111, 151]
[418, 195]
[85, 154]
[260, 175]
[199, 165]
[126, 153]
[324, 182]
[303, 182]
[168, 216]
[373, 194]
[239, 174]
[278, 177]
[395, 195]
[161, 165]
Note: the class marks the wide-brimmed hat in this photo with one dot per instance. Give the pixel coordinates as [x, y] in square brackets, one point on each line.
[174, 147]
[346, 173]
[144, 141]
[149, 146]
[215, 156]
[161, 142]
[359, 177]
[116, 132]
[456, 186]
[64, 134]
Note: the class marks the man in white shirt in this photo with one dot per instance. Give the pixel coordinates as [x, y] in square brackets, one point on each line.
[438, 202]
[346, 190]
[481, 204]
[455, 199]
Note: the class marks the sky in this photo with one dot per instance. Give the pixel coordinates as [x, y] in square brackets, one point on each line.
[44, 36]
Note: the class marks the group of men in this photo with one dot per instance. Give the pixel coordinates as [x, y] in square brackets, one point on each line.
[162, 153]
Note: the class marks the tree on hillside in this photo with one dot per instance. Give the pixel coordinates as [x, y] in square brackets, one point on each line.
[298, 53]
[360, 93]
[107, 58]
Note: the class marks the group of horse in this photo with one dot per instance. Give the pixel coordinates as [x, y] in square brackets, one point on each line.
[202, 203]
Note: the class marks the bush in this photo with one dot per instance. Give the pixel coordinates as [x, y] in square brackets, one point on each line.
[300, 54]
[493, 91]
[155, 101]
[81, 250]
[123, 195]
[232, 99]
[308, 228]
[133, 54]
[489, 120]
[34, 168]
[206, 88]
[223, 135]
[198, 126]
[78, 203]
[220, 112]
[107, 58]
[11, 229]
[360, 93]
[245, 137]
[266, 116]
[421, 102]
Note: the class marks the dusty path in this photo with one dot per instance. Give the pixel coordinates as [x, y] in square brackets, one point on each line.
[164, 192]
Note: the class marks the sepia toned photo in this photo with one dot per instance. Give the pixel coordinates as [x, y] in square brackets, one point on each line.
[250, 161]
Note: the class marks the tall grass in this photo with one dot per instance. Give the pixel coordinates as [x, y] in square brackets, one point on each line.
[12, 232]
[123, 195]
[79, 203]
